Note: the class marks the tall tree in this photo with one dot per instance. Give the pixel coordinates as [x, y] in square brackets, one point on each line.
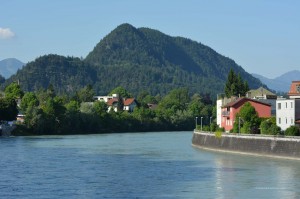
[230, 85]
[86, 94]
[247, 119]
[235, 86]
[121, 92]
[13, 91]
[28, 100]
[8, 109]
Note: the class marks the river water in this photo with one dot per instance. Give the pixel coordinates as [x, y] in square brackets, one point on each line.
[137, 165]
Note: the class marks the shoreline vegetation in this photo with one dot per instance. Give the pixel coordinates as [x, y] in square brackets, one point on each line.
[46, 113]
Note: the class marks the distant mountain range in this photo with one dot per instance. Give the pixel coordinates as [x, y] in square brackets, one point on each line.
[10, 66]
[138, 59]
[281, 83]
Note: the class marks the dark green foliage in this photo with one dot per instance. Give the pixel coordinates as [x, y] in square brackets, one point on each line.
[235, 86]
[48, 113]
[292, 131]
[2, 79]
[121, 92]
[65, 74]
[8, 109]
[269, 127]
[86, 94]
[136, 59]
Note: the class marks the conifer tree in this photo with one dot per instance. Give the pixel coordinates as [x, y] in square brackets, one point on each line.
[235, 86]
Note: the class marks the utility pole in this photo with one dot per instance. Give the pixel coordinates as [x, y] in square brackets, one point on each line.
[201, 124]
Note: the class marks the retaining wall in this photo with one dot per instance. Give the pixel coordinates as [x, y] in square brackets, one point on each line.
[250, 144]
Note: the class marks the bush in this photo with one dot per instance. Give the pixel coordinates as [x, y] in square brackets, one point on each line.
[213, 127]
[221, 129]
[218, 134]
[269, 127]
[206, 128]
[292, 131]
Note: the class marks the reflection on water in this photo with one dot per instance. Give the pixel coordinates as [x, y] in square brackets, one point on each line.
[239, 176]
[137, 165]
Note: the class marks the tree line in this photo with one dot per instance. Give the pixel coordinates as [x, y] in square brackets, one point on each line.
[45, 112]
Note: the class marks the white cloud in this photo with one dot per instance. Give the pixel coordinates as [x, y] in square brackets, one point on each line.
[6, 33]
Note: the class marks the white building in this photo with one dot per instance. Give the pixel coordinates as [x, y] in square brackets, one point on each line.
[105, 98]
[264, 95]
[288, 110]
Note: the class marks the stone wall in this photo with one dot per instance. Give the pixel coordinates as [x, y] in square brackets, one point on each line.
[6, 130]
[250, 144]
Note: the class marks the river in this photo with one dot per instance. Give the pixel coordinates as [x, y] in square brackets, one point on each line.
[137, 165]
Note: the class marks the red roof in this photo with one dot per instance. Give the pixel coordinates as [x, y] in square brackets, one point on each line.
[110, 102]
[294, 89]
[128, 101]
[243, 100]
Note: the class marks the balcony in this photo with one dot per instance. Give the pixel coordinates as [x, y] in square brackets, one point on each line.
[225, 113]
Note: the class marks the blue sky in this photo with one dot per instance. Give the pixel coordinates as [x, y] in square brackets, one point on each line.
[263, 36]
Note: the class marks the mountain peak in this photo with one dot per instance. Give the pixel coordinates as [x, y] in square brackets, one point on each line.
[125, 26]
[281, 83]
[136, 59]
[9, 66]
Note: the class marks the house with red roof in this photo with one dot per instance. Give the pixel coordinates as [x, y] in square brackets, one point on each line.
[230, 110]
[128, 104]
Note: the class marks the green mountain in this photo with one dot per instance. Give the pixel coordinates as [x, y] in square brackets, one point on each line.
[66, 74]
[136, 59]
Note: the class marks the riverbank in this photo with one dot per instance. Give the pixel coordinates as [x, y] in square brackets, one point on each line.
[258, 145]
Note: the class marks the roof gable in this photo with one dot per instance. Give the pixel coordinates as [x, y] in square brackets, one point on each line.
[259, 92]
[128, 101]
[110, 102]
[295, 88]
[243, 100]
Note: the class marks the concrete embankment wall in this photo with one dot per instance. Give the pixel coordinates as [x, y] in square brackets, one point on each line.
[6, 130]
[249, 144]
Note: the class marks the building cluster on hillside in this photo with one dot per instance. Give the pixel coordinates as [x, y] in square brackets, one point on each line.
[113, 101]
[266, 104]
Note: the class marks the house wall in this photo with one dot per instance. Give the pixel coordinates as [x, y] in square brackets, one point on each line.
[261, 109]
[285, 113]
[228, 120]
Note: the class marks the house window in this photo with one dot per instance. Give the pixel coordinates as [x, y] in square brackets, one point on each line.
[291, 104]
[286, 105]
[286, 120]
[279, 106]
[292, 121]
[279, 120]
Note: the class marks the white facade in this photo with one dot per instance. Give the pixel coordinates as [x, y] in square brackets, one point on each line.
[219, 111]
[105, 98]
[285, 113]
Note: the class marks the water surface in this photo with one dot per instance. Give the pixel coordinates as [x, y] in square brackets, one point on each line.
[137, 165]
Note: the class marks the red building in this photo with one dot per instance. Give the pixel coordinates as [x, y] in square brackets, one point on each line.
[231, 109]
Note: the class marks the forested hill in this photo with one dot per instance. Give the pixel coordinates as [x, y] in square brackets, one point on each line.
[136, 59]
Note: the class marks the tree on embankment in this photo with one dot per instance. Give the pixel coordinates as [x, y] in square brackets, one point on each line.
[247, 120]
